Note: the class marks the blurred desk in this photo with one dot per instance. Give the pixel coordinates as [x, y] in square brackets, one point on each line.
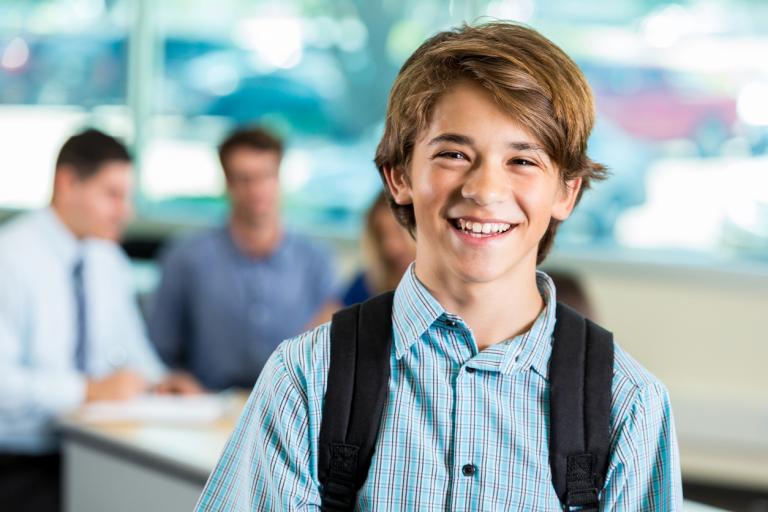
[135, 466]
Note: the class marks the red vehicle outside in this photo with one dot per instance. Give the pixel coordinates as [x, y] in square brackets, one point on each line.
[655, 105]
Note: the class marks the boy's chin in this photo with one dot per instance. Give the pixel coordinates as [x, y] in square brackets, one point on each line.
[485, 272]
[493, 267]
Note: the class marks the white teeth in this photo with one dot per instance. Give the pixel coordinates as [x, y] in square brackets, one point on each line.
[477, 228]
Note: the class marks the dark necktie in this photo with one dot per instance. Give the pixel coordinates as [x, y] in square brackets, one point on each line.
[81, 340]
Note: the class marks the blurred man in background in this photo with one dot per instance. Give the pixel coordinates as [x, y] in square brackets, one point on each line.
[70, 329]
[228, 296]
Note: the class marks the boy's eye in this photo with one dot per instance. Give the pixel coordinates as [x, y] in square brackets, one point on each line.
[523, 162]
[453, 155]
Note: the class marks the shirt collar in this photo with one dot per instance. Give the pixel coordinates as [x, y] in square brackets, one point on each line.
[65, 244]
[533, 348]
[276, 253]
[415, 309]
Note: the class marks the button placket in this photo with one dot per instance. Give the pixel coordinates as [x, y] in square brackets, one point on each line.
[465, 468]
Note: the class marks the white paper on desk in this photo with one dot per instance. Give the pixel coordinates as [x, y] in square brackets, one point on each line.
[157, 408]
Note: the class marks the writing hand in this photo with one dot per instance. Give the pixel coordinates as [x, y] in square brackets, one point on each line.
[120, 385]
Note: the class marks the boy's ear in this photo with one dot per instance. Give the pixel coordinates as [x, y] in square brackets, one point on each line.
[566, 199]
[398, 184]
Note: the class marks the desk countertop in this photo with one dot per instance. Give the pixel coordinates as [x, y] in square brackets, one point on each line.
[188, 451]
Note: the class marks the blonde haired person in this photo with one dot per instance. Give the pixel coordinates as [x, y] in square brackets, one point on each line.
[387, 250]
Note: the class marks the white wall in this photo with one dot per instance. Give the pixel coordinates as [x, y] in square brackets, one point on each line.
[702, 330]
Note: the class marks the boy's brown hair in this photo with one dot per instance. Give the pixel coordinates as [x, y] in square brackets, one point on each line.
[530, 78]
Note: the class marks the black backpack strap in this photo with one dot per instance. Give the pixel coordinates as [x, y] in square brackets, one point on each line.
[580, 375]
[358, 380]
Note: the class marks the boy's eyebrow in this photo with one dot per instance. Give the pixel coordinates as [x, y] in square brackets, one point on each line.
[526, 146]
[468, 141]
[451, 137]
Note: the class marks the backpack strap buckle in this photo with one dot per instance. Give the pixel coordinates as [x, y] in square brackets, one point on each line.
[338, 496]
[340, 489]
[580, 482]
[585, 501]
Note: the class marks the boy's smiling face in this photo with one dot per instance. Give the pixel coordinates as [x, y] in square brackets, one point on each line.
[482, 189]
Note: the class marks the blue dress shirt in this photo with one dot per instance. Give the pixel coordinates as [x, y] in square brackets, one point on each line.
[449, 405]
[219, 313]
[38, 326]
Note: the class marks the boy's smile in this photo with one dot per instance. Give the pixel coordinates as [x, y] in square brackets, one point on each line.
[477, 229]
[483, 190]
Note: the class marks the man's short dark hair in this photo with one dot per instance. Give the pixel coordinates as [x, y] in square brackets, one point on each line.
[86, 152]
[254, 137]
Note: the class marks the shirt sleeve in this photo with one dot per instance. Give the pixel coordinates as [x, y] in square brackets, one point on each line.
[644, 471]
[168, 314]
[129, 326]
[28, 396]
[266, 463]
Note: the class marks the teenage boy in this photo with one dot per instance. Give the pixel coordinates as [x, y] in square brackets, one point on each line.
[483, 154]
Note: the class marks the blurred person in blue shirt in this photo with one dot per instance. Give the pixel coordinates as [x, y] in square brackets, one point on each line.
[387, 249]
[229, 295]
[70, 329]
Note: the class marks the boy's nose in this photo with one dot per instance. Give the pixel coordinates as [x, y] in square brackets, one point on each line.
[485, 185]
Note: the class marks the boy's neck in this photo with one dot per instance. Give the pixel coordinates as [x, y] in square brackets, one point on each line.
[495, 311]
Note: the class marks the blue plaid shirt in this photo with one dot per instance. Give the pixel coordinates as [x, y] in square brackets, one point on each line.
[441, 415]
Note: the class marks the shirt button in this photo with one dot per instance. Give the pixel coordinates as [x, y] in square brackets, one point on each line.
[470, 370]
[451, 323]
[468, 469]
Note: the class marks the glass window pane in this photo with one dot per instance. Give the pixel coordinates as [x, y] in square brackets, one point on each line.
[680, 88]
[679, 122]
[63, 65]
[317, 73]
